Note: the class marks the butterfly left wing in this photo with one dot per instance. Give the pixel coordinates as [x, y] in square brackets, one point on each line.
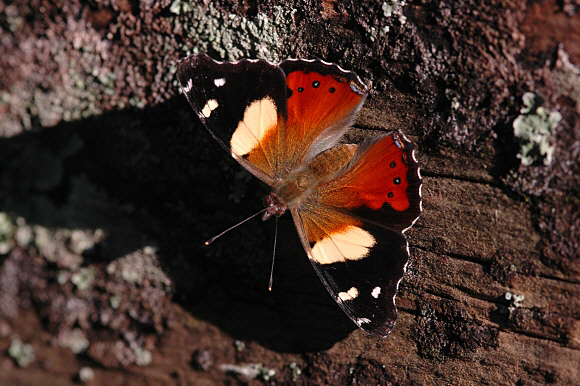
[243, 106]
[353, 231]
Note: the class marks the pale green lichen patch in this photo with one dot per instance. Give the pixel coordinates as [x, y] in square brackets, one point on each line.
[115, 301]
[515, 300]
[23, 354]
[566, 78]
[52, 244]
[233, 36]
[535, 128]
[143, 357]
[180, 7]
[394, 8]
[75, 340]
[138, 266]
[83, 278]
[74, 97]
[296, 371]
[86, 374]
[23, 234]
[240, 346]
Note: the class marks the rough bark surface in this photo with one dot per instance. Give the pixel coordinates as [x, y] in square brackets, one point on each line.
[109, 185]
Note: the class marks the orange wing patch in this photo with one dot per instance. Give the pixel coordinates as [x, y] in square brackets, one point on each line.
[256, 136]
[315, 103]
[378, 176]
[318, 101]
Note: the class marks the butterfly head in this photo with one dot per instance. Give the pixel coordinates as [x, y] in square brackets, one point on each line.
[275, 206]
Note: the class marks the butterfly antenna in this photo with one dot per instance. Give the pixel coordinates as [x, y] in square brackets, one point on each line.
[273, 257]
[208, 242]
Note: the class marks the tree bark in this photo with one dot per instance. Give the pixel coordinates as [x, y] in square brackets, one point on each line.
[109, 185]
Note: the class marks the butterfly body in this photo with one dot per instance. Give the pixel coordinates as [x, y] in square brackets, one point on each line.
[299, 187]
[350, 203]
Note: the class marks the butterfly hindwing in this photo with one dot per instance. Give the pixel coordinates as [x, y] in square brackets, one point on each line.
[242, 104]
[360, 264]
[382, 183]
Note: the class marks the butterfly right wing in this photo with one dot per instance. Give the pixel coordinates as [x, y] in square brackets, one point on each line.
[272, 119]
[242, 104]
[353, 230]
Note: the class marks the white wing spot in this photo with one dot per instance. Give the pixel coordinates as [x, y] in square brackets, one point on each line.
[219, 82]
[360, 321]
[376, 292]
[348, 295]
[259, 118]
[351, 243]
[210, 106]
[188, 86]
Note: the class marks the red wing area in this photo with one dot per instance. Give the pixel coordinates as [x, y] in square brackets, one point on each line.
[381, 184]
[242, 104]
[360, 264]
[322, 103]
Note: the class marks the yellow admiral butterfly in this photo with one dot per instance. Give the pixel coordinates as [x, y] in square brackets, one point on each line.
[350, 203]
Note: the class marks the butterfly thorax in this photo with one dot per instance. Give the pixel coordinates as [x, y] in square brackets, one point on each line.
[289, 194]
[300, 185]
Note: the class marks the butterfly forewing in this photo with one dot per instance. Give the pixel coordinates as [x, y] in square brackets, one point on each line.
[242, 104]
[323, 100]
[272, 118]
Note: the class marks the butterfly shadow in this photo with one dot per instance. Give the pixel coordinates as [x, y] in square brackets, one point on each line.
[298, 315]
[148, 177]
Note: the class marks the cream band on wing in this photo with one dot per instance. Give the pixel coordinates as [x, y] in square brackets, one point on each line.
[350, 243]
[348, 295]
[259, 118]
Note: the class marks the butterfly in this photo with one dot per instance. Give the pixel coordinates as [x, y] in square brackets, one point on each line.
[351, 202]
